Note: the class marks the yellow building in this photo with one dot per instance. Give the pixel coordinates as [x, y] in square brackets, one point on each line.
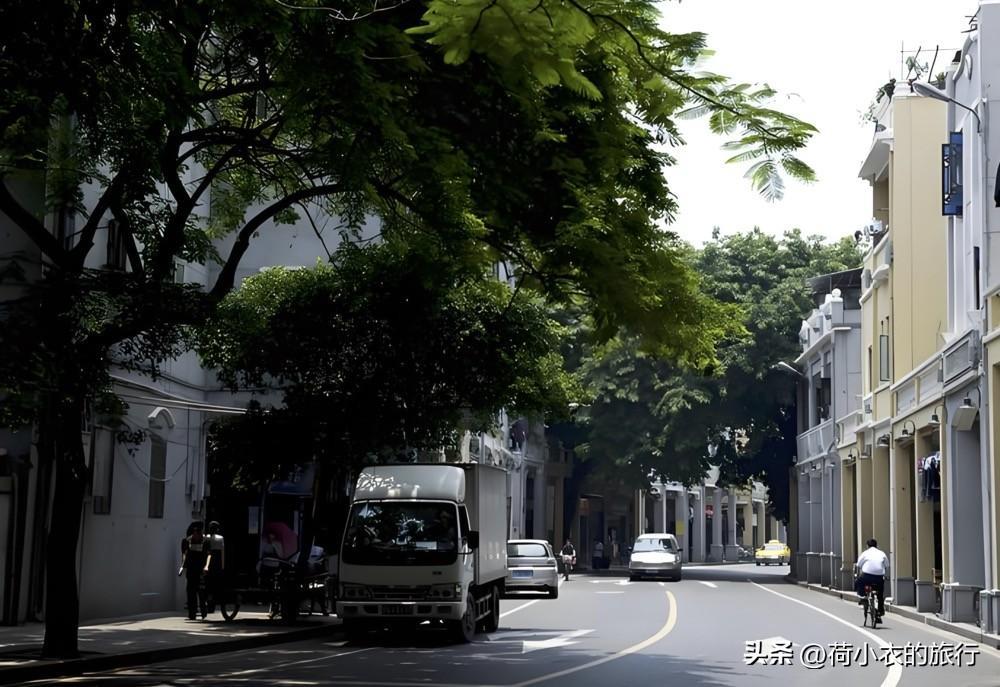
[904, 323]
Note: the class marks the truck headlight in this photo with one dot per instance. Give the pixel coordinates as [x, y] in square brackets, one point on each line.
[355, 591]
[446, 591]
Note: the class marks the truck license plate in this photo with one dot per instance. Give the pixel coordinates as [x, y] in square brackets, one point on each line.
[521, 574]
[397, 609]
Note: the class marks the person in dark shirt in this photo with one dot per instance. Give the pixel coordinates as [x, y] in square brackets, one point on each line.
[195, 562]
[568, 556]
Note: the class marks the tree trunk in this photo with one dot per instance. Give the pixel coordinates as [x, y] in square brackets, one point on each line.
[60, 439]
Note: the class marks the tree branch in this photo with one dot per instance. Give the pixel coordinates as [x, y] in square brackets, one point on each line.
[111, 195]
[131, 249]
[173, 232]
[227, 276]
[33, 228]
[641, 50]
[234, 89]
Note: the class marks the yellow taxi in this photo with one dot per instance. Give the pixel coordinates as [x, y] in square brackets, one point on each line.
[773, 552]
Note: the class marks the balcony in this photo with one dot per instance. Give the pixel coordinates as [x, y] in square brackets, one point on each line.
[920, 386]
[850, 424]
[882, 260]
[816, 441]
[961, 355]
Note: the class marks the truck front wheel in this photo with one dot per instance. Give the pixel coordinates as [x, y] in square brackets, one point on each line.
[464, 630]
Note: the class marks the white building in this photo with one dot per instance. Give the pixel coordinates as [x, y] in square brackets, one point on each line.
[829, 391]
[711, 522]
[144, 494]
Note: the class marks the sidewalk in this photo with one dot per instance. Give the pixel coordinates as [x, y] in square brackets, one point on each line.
[138, 640]
[966, 630]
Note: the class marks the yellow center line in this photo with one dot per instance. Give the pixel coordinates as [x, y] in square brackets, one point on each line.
[663, 632]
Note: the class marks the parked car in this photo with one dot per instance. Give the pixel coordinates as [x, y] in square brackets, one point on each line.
[532, 567]
[655, 555]
[773, 552]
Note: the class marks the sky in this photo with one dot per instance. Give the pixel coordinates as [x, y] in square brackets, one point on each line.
[826, 59]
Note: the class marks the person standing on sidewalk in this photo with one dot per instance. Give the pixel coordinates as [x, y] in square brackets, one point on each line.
[195, 561]
[217, 565]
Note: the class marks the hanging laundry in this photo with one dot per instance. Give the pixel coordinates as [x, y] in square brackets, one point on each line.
[930, 481]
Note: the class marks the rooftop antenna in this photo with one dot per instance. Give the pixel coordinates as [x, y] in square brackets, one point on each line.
[914, 64]
[930, 73]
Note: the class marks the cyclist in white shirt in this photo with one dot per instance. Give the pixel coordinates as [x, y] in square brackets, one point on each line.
[872, 567]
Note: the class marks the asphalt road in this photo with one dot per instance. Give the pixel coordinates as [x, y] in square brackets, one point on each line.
[605, 631]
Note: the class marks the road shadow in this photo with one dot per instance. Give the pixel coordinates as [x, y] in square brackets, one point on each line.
[425, 661]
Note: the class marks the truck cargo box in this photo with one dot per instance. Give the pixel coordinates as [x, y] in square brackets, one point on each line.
[486, 500]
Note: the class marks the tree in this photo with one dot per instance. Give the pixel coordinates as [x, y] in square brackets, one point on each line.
[382, 351]
[653, 416]
[511, 130]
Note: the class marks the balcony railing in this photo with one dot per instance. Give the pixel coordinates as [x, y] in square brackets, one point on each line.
[816, 441]
[850, 423]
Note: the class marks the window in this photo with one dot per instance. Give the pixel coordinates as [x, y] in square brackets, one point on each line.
[401, 533]
[463, 520]
[651, 544]
[116, 246]
[103, 472]
[65, 226]
[157, 476]
[822, 390]
[951, 175]
[871, 370]
[883, 358]
[527, 551]
[975, 274]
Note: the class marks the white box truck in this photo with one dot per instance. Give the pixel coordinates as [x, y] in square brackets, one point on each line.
[425, 542]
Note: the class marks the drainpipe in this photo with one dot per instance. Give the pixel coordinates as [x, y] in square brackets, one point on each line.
[984, 441]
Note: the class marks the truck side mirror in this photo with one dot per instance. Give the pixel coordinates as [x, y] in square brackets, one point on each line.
[472, 539]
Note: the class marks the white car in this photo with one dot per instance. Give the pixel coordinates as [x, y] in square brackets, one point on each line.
[655, 555]
[531, 567]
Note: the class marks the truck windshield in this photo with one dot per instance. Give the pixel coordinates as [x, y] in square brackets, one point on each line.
[401, 532]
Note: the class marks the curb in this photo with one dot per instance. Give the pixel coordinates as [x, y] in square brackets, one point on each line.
[910, 614]
[78, 666]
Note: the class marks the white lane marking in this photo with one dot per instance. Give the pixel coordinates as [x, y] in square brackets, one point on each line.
[559, 638]
[609, 592]
[895, 673]
[563, 639]
[518, 608]
[661, 633]
[278, 666]
[709, 584]
[662, 584]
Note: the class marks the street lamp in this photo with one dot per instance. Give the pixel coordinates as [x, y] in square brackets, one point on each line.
[928, 91]
[786, 367]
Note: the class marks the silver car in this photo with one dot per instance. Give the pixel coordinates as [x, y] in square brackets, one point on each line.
[531, 567]
[655, 555]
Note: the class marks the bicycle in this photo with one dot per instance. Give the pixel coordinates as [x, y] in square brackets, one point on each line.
[568, 563]
[871, 606]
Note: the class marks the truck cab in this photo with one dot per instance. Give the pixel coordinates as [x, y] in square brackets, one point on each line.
[425, 542]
